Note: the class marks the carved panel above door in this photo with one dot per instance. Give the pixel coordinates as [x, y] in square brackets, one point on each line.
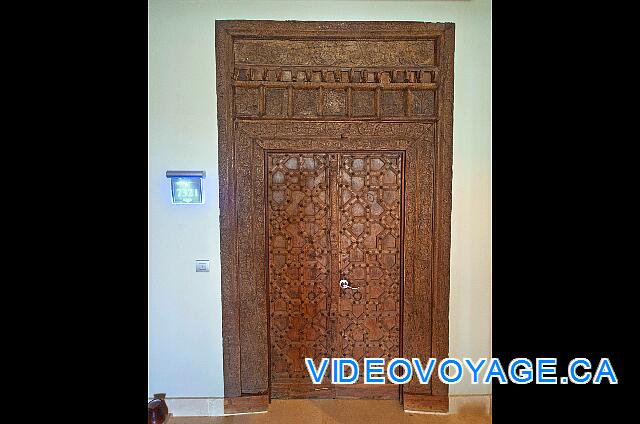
[378, 96]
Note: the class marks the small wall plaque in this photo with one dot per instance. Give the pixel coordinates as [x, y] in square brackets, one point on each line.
[186, 187]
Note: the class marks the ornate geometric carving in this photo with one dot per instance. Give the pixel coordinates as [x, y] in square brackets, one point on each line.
[370, 256]
[368, 189]
[299, 260]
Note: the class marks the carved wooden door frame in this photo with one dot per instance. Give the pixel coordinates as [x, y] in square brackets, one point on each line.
[371, 86]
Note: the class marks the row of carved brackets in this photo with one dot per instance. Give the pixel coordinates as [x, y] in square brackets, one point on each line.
[337, 75]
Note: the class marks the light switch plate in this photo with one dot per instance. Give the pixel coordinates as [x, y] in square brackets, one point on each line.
[202, 265]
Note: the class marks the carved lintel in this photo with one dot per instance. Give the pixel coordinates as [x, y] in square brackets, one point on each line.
[289, 129]
[335, 53]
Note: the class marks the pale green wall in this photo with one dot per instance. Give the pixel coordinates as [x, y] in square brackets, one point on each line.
[185, 342]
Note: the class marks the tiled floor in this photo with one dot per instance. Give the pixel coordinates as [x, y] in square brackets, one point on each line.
[331, 411]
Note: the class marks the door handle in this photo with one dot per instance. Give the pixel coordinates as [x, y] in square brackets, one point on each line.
[344, 284]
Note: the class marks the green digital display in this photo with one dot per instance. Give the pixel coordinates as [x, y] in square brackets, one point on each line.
[186, 190]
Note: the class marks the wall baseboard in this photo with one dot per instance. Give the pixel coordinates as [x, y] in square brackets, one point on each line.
[470, 404]
[214, 407]
[195, 407]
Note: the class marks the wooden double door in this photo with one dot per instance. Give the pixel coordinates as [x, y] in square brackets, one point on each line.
[335, 227]
[335, 149]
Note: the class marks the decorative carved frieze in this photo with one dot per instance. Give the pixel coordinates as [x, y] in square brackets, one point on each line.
[416, 131]
[340, 53]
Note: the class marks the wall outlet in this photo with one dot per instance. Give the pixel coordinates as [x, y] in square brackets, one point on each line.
[202, 265]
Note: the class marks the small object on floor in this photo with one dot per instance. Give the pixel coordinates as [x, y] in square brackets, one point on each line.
[158, 409]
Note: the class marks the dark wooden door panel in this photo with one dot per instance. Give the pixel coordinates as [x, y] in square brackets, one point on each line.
[370, 189]
[333, 216]
[299, 266]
